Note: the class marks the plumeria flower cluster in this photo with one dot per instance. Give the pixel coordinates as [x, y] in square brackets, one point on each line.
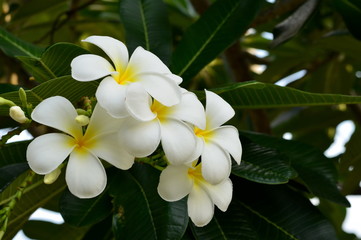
[140, 106]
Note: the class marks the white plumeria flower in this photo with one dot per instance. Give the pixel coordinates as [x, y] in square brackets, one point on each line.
[152, 123]
[85, 174]
[216, 143]
[179, 181]
[143, 68]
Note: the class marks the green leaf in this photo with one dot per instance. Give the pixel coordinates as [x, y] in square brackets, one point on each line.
[316, 171]
[146, 24]
[54, 62]
[4, 87]
[13, 153]
[351, 13]
[263, 95]
[221, 25]
[13, 46]
[267, 212]
[42, 230]
[139, 211]
[10, 172]
[81, 212]
[62, 86]
[263, 165]
[35, 196]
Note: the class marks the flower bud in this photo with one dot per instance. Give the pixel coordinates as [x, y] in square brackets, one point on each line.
[52, 177]
[4, 101]
[82, 120]
[18, 114]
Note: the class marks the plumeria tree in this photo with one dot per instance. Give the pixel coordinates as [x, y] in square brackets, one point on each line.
[167, 119]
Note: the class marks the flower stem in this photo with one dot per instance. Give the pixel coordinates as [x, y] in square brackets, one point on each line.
[7, 209]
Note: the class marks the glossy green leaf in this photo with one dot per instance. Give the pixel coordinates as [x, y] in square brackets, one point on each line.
[81, 212]
[267, 212]
[10, 172]
[54, 62]
[221, 25]
[139, 211]
[264, 95]
[146, 24]
[13, 153]
[316, 171]
[13, 46]
[32, 198]
[62, 86]
[42, 230]
[262, 164]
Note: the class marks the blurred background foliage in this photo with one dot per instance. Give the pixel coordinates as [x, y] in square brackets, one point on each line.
[310, 45]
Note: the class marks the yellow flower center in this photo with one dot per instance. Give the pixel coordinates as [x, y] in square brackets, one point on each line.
[124, 77]
[196, 173]
[160, 110]
[205, 134]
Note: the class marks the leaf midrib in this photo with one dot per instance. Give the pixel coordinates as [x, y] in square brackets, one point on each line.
[16, 45]
[209, 39]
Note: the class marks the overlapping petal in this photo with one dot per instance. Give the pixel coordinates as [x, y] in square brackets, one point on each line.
[216, 163]
[47, 152]
[227, 137]
[218, 111]
[85, 175]
[140, 139]
[221, 194]
[178, 141]
[102, 123]
[89, 67]
[111, 96]
[115, 49]
[139, 102]
[200, 207]
[59, 113]
[174, 183]
[160, 87]
[107, 147]
[190, 110]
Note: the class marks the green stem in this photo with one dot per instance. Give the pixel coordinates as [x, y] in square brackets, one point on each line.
[6, 211]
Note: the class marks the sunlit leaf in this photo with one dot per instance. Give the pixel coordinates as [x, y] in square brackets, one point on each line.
[63, 86]
[54, 62]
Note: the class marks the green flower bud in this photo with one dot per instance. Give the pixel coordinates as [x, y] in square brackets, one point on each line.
[82, 120]
[52, 177]
[18, 114]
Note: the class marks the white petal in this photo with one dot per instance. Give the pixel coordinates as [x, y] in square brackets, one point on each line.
[47, 152]
[160, 88]
[177, 79]
[138, 102]
[228, 138]
[89, 67]
[140, 139]
[102, 123]
[115, 49]
[174, 183]
[155, 77]
[111, 96]
[85, 175]
[143, 61]
[59, 113]
[190, 110]
[200, 207]
[218, 111]
[216, 163]
[108, 148]
[178, 141]
[221, 194]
